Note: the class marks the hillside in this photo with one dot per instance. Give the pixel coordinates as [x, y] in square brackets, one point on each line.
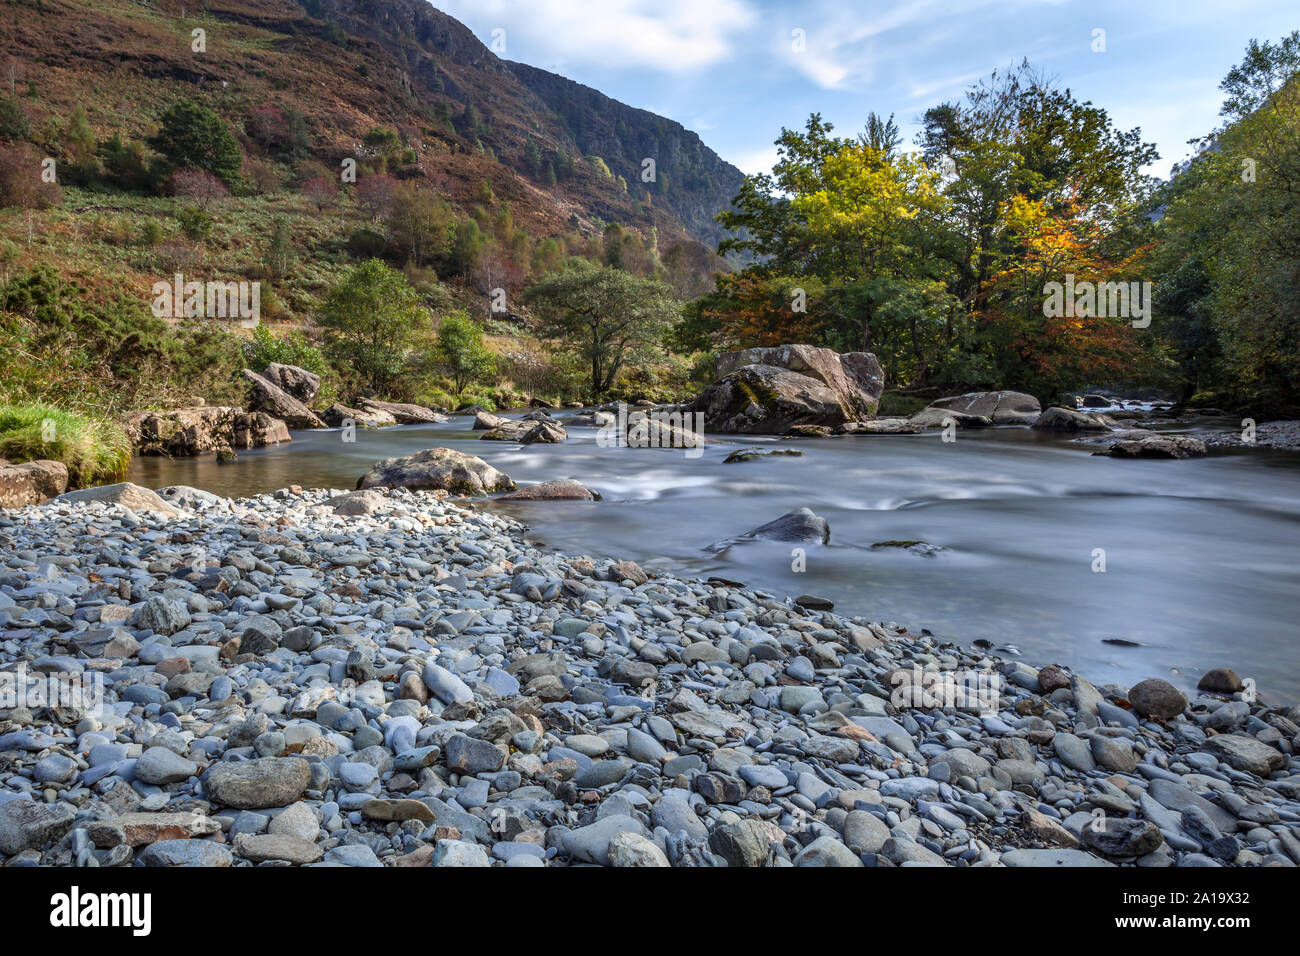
[350, 65]
[473, 175]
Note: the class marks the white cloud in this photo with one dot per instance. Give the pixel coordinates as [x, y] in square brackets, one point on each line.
[757, 161]
[670, 36]
[848, 50]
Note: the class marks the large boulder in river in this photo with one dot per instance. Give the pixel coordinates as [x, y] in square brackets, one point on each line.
[31, 482]
[444, 468]
[1061, 419]
[298, 382]
[798, 525]
[404, 413]
[768, 390]
[272, 399]
[1002, 408]
[338, 416]
[545, 433]
[185, 432]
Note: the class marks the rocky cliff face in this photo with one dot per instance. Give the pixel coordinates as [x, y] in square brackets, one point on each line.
[440, 58]
[691, 180]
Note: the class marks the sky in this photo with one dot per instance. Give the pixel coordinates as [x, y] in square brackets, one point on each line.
[737, 71]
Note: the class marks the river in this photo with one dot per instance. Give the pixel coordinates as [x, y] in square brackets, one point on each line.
[1200, 555]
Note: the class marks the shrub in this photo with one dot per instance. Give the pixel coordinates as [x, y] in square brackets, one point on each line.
[13, 120]
[320, 192]
[367, 244]
[195, 223]
[198, 188]
[291, 348]
[124, 165]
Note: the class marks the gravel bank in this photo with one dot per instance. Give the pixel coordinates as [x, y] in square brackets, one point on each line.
[390, 678]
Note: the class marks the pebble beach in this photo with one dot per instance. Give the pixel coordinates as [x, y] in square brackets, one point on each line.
[396, 678]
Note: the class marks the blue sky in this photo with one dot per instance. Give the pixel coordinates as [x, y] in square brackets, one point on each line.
[729, 70]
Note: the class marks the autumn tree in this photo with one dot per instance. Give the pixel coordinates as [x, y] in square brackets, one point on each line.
[420, 221]
[200, 189]
[321, 191]
[375, 195]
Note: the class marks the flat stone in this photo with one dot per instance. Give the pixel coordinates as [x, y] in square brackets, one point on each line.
[186, 853]
[276, 846]
[161, 766]
[254, 784]
[1245, 753]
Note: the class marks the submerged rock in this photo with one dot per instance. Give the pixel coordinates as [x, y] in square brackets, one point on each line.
[798, 525]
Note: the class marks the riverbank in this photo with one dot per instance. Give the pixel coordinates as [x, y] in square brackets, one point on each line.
[388, 678]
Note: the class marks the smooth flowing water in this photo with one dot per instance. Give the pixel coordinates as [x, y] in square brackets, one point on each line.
[1200, 555]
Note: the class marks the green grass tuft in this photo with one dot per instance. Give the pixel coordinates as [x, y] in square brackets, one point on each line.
[96, 451]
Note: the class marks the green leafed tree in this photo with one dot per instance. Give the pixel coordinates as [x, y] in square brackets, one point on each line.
[608, 317]
[193, 136]
[370, 320]
[462, 353]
